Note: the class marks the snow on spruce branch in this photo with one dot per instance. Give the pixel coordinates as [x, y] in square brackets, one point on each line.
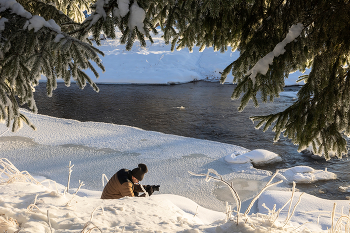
[35, 22]
[15, 8]
[262, 66]
[136, 18]
[122, 9]
[2, 23]
[98, 13]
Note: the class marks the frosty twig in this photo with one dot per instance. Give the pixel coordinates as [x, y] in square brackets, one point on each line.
[103, 178]
[9, 173]
[69, 174]
[81, 183]
[219, 178]
[257, 196]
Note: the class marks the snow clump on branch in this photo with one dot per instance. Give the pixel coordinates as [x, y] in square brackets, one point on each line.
[15, 8]
[122, 9]
[99, 12]
[34, 22]
[137, 16]
[37, 22]
[262, 66]
[2, 23]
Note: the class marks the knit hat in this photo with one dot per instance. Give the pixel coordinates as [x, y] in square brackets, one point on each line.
[140, 171]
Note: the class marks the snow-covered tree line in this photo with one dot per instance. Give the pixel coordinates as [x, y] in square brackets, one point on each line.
[274, 37]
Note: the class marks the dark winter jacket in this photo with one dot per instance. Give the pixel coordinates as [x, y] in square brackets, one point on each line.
[120, 185]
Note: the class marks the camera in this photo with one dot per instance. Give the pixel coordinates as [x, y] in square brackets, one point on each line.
[155, 187]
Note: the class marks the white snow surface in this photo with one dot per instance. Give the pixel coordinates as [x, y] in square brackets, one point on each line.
[305, 174]
[344, 189]
[155, 213]
[59, 37]
[158, 213]
[184, 203]
[290, 94]
[313, 212]
[256, 157]
[101, 148]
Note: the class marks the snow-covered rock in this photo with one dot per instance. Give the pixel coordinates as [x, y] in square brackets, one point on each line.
[305, 174]
[344, 189]
[256, 157]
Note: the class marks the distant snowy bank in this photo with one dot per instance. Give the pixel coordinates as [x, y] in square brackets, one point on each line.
[156, 64]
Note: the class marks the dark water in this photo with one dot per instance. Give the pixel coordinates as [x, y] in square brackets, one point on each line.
[200, 110]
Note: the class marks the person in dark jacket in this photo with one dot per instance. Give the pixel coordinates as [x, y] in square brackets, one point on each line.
[125, 183]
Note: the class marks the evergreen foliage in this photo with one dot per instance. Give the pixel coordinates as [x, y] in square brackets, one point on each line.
[320, 116]
[259, 29]
[64, 8]
[30, 47]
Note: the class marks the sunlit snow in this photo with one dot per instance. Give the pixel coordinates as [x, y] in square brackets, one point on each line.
[305, 174]
[257, 157]
[156, 64]
[185, 203]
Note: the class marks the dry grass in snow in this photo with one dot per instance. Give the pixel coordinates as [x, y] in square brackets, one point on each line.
[26, 205]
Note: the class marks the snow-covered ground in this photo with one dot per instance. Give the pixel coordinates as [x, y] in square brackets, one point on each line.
[185, 203]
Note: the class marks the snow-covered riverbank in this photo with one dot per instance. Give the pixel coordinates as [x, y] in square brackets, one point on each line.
[156, 64]
[100, 148]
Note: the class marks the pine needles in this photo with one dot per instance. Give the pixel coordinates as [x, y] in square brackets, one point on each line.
[32, 46]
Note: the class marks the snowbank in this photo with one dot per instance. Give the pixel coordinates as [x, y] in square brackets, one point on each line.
[156, 213]
[156, 64]
[37, 208]
[312, 212]
[299, 174]
[290, 94]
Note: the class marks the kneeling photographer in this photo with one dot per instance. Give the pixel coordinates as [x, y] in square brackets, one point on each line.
[125, 183]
